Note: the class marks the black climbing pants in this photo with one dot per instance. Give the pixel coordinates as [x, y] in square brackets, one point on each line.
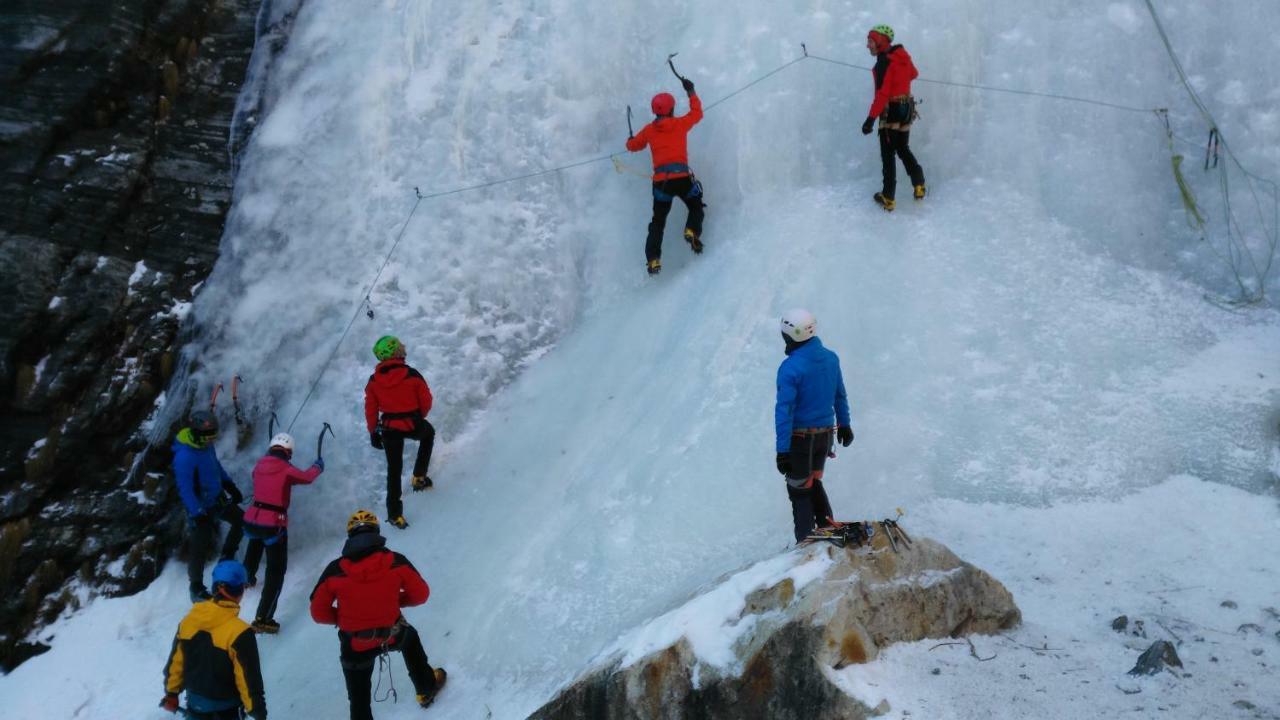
[393, 445]
[809, 507]
[358, 665]
[202, 531]
[664, 194]
[808, 457]
[894, 142]
[277, 563]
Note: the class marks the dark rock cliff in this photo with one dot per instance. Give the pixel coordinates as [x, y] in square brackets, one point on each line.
[114, 130]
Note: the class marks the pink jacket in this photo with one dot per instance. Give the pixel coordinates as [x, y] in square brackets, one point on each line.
[273, 477]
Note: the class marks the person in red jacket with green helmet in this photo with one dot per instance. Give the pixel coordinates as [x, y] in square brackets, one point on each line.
[667, 139]
[362, 593]
[396, 402]
[896, 110]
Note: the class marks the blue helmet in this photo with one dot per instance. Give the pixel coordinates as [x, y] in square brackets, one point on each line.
[231, 574]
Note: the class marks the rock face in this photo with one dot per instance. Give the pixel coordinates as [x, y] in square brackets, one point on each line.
[114, 129]
[797, 637]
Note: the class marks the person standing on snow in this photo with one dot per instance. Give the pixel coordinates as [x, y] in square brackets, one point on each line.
[362, 593]
[396, 402]
[810, 392]
[266, 523]
[896, 109]
[667, 139]
[207, 493]
[215, 656]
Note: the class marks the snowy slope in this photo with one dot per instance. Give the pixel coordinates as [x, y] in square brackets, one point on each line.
[1034, 335]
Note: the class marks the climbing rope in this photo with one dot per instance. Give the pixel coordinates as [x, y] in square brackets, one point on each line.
[1236, 245]
[1188, 198]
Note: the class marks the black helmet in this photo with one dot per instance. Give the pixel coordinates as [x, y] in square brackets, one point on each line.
[204, 425]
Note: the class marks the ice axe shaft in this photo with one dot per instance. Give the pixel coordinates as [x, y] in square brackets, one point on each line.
[320, 440]
[271, 424]
[673, 67]
[213, 398]
[630, 130]
[235, 398]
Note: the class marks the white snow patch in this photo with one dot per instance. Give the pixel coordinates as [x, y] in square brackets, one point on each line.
[34, 450]
[56, 302]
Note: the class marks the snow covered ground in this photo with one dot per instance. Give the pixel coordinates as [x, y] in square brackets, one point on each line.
[1034, 370]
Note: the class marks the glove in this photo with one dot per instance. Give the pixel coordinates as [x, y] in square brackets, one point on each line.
[784, 462]
[688, 85]
[844, 434]
[259, 713]
[866, 126]
[375, 439]
[232, 492]
[319, 463]
[170, 702]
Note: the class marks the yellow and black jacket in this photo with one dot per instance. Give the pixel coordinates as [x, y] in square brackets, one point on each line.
[215, 659]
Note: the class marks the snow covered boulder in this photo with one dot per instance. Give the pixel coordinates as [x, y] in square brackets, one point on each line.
[763, 641]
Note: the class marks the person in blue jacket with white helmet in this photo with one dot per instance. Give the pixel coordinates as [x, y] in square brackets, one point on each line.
[208, 494]
[810, 393]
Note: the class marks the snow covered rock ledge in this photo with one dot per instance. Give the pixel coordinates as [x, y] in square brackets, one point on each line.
[762, 642]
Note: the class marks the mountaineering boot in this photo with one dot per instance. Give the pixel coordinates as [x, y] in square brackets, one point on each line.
[884, 202]
[266, 626]
[919, 191]
[425, 699]
[200, 593]
[695, 242]
[655, 266]
[421, 482]
[399, 521]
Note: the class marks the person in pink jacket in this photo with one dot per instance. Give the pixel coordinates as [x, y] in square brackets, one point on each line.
[266, 523]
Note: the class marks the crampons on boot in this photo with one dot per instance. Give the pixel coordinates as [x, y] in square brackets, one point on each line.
[421, 482]
[655, 266]
[919, 191]
[425, 699]
[266, 626]
[399, 521]
[695, 242]
[884, 202]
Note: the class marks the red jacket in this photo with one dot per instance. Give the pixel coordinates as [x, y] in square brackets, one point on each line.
[365, 588]
[667, 138]
[893, 80]
[395, 388]
[273, 477]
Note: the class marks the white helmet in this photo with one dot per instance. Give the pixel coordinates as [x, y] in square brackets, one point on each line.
[799, 325]
[283, 440]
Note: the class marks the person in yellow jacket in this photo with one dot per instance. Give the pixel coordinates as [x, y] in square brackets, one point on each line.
[215, 656]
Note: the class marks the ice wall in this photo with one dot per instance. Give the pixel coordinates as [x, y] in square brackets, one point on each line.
[1033, 332]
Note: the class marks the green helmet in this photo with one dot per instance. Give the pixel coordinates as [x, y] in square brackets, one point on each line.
[884, 30]
[387, 347]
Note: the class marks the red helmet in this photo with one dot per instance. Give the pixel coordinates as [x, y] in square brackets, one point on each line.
[663, 104]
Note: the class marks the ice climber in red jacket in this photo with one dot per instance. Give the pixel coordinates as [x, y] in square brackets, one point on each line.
[396, 402]
[667, 139]
[896, 110]
[362, 593]
[266, 522]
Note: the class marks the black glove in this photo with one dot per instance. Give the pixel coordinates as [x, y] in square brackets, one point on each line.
[784, 462]
[866, 126]
[232, 492]
[259, 713]
[375, 439]
[688, 85]
[844, 434]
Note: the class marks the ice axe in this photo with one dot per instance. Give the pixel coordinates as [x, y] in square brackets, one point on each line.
[271, 424]
[320, 440]
[672, 65]
[630, 131]
[235, 398]
[213, 398]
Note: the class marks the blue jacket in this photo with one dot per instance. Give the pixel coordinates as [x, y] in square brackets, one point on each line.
[810, 387]
[199, 474]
